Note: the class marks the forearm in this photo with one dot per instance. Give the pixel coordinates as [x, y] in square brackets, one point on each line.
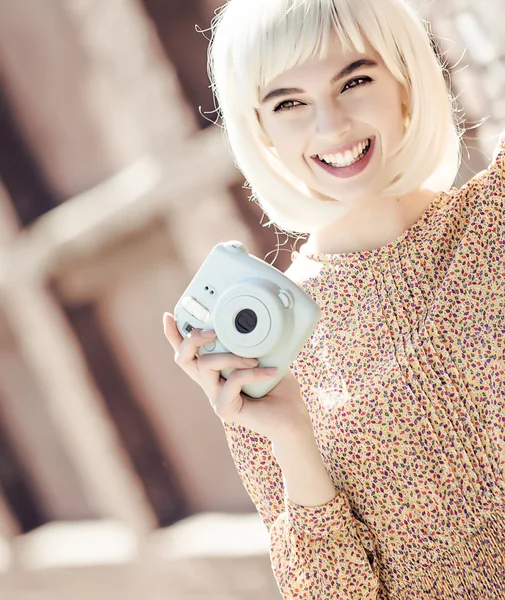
[306, 479]
[311, 526]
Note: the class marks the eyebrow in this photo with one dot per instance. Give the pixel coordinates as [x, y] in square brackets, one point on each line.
[354, 66]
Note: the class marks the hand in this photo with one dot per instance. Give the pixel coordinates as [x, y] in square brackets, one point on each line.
[280, 413]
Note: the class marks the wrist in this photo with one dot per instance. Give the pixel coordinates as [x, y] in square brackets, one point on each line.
[294, 436]
[296, 445]
[306, 479]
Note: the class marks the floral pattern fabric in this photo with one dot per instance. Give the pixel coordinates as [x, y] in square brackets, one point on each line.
[404, 380]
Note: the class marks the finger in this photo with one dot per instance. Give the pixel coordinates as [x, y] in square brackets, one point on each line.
[171, 332]
[220, 362]
[186, 354]
[239, 378]
[176, 340]
[210, 366]
[232, 388]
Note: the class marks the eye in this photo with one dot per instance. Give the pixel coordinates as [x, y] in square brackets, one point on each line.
[287, 105]
[357, 82]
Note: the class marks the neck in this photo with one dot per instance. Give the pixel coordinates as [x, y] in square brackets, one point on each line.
[370, 225]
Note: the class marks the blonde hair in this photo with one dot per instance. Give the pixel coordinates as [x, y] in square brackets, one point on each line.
[254, 41]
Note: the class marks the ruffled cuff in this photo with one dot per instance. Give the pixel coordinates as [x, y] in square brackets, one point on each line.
[319, 521]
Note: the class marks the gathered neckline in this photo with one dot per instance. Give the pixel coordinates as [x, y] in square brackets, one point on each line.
[362, 255]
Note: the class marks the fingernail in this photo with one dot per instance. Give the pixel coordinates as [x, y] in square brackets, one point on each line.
[271, 371]
[251, 362]
[208, 333]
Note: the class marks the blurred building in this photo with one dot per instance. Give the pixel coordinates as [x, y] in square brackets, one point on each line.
[114, 186]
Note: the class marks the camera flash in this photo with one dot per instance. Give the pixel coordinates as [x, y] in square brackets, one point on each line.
[195, 309]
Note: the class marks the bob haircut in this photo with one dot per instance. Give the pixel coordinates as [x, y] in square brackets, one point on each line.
[254, 41]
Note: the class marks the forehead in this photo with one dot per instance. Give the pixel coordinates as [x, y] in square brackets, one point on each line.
[269, 40]
[321, 68]
[273, 47]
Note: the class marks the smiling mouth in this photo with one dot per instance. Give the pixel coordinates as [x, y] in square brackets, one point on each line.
[345, 164]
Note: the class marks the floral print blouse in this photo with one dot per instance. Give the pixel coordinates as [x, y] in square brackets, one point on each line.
[404, 380]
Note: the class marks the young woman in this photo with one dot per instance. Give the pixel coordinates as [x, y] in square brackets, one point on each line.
[378, 463]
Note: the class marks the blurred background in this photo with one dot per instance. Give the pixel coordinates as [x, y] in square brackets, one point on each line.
[115, 477]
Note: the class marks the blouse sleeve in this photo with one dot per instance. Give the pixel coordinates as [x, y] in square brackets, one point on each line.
[316, 552]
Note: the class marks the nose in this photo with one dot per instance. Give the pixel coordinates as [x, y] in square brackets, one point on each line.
[332, 120]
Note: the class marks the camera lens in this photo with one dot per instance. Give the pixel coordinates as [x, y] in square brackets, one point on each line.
[246, 321]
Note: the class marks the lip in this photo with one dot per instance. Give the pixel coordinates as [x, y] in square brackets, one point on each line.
[342, 149]
[353, 170]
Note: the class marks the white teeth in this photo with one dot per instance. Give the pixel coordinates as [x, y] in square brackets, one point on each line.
[347, 159]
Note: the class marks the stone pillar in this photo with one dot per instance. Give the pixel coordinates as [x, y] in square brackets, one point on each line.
[85, 472]
[71, 69]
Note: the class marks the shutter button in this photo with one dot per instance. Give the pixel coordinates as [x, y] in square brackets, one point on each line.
[286, 297]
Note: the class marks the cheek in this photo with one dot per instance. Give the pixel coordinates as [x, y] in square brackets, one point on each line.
[286, 132]
[385, 115]
[397, 121]
[288, 141]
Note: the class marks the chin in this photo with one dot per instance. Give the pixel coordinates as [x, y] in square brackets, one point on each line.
[349, 199]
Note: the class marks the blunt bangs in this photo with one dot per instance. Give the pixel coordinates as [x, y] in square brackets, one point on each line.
[281, 35]
[254, 41]
[304, 32]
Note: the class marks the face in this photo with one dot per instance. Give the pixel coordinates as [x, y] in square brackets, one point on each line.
[332, 126]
